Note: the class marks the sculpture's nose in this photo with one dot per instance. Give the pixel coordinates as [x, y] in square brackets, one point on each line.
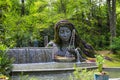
[65, 34]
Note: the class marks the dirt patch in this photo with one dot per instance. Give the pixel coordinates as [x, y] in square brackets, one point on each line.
[103, 52]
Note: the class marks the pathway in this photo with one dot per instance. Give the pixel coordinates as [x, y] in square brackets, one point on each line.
[114, 79]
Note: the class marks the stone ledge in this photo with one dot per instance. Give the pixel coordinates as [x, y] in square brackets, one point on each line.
[52, 66]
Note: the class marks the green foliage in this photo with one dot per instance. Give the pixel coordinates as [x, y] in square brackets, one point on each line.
[115, 46]
[82, 74]
[2, 47]
[20, 31]
[40, 16]
[5, 62]
[118, 18]
[99, 62]
[3, 77]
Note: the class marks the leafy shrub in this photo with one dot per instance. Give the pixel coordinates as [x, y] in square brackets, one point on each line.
[5, 62]
[115, 46]
[99, 62]
[82, 74]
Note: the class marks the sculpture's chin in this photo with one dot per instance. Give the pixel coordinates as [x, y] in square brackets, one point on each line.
[64, 59]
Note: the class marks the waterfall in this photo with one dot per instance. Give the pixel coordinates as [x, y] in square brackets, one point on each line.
[30, 54]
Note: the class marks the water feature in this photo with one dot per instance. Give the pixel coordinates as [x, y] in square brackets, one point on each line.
[78, 56]
[30, 55]
[46, 69]
[34, 55]
[40, 61]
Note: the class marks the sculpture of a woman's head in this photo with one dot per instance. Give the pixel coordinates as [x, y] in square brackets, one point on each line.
[61, 26]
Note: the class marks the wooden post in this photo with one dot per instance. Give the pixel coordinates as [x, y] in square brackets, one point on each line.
[45, 40]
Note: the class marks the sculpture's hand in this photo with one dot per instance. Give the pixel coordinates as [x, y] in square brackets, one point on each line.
[71, 49]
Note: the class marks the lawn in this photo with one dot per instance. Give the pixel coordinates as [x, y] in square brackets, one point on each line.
[111, 60]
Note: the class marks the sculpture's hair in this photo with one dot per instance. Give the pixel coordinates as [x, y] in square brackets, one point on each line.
[84, 47]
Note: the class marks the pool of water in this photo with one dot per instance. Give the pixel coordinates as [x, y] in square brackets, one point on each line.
[44, 76]
[113, 72]
[60, 75]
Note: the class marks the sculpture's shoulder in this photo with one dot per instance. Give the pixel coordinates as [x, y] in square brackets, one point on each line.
[51, 44]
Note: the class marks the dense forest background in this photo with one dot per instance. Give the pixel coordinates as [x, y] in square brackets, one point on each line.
[22, 22]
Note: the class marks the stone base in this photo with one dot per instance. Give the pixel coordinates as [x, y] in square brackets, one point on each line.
[48, 71]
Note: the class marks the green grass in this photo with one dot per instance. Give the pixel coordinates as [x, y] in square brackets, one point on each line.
[111, 63]
[115, 59]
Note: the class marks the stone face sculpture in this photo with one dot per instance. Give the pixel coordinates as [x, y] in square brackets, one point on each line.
[67, 46]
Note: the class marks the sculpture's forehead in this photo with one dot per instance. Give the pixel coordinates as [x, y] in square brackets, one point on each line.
[64, 24]
[64, 28]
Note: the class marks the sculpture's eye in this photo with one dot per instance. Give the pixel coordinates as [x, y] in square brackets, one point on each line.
[68, 31]
[61, 31]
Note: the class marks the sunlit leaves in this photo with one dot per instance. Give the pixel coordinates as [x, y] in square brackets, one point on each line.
[37, 6]
[88, 16]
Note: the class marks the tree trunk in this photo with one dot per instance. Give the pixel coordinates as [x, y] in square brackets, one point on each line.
[112, 18]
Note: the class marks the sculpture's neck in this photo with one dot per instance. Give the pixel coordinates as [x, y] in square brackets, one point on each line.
[65, 43]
